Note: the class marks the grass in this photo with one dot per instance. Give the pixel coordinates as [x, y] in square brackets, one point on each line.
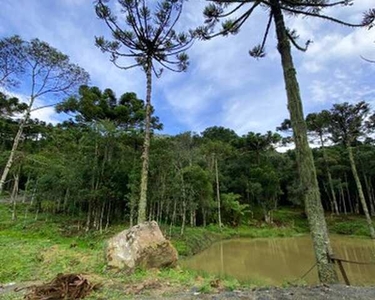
[349, 225]
[39, 250]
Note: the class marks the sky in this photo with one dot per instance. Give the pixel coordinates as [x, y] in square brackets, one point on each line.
[223, 85]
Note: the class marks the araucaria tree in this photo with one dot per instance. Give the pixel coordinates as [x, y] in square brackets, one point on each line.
[44, 71]
[234, 14]
[347, 124]
[317, 124]
[148, 36]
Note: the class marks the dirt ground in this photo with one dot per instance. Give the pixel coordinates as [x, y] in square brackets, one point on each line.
[336, 292]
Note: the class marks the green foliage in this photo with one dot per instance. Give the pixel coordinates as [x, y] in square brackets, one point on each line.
[91, 166]
[234, 212]
[93, 105]
[349, 226]
[198, 185]
[148, 35]
[318, 122]
[218, 133]
[232, 15]
[9, 106]
[347, 122]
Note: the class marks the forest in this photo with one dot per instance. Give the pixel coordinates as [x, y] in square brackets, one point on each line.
[90, 165]
[108, 164]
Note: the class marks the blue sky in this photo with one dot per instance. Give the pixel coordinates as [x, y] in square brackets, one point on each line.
[224, 86]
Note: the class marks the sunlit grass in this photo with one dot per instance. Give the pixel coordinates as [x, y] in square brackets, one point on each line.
[40, 249]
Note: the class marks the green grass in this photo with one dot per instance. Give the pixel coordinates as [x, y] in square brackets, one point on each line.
[348, 225]
[39, 250]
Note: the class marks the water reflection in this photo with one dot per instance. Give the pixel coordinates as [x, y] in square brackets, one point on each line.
[278, 260]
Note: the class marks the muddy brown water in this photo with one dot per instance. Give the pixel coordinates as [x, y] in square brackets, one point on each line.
[275, 261]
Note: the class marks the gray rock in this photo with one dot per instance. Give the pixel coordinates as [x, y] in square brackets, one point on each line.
[141, 246]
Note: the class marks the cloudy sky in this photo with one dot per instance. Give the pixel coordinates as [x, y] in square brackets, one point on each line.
[224, 86]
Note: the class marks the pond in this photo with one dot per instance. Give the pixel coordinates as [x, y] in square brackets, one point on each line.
[274, 261]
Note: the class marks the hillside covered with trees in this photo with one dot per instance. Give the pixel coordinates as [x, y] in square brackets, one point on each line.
[90, 165]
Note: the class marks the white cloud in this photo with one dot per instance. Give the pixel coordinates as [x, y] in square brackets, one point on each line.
[256, 112]
[340, 87]
[341, 46]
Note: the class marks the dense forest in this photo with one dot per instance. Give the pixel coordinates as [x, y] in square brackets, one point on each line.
[108, 162]
[91, 164]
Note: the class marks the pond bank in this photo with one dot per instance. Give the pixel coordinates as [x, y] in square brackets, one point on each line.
[287, 223]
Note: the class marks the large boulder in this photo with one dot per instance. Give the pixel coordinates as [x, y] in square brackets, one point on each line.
[142, 246]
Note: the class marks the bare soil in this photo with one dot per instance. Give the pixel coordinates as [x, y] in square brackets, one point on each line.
[334, 292]
[156, 290]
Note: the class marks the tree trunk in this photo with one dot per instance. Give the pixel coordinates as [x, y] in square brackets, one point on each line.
[15, 144]
[305, 161]
[108, 215]
[95, 217]
[88, 220]
[372, 192]
[183, 217]
[101, 218]
[360, 192]
[348, 194]
[369, 195]
[218, 193]
[173, 219]
[24, 198]
[267, 216]
[330, 182]
[33, 195]
[146, 148]
[11, 155]
[14, 196]
[158, 211]
[132, 210]
[191, 216]
[161, 211]
[38, 206]
[150, 211]
[204, 217]
[329, 199]
[66, 198]
[343, 199]
[184, 200]
[356, 210]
